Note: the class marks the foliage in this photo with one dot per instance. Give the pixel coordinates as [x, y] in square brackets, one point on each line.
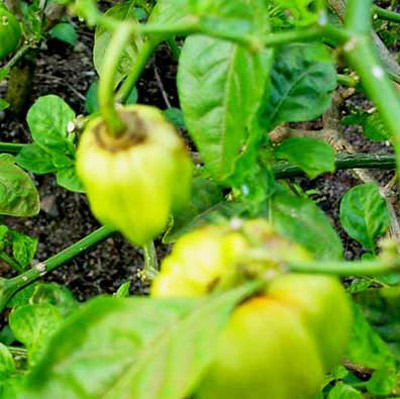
[252, 76]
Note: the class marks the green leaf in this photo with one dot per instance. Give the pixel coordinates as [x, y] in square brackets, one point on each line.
[3, 104]
[45, 293]
[366, 347]
[220, 86]
[11, 388]
[23, 296]
[205, 195]
[344, 391]
[4, 72]
[33, 325]
[54, 294]
[48, 120]
[372, 125]
[175, 116]
[24, 248]
[3, 236]
[33, 158]
[123, 290]
[313, 156]
[7, 364]
[239, 16]
[303, 76]
[18, 194]
[68, 179]
[133, 347]
[374, 128]
[300, 220]
[122, 12]
[383, 381]
[91, 102]
[364, 214]
[64, 32]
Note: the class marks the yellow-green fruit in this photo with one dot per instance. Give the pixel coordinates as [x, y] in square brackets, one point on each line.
[135, 181]
[200, 261]
[277, 345]
[10, 32]
[323, 306]
[264, 352]
[214, 257]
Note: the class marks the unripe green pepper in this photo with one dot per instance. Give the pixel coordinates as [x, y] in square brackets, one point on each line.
[278, 344]
[10, 32]
[135, 181]
[264, 352]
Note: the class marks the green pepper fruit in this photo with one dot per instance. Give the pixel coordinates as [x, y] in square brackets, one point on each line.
[10, 32]
[135, 181]
[278, 344]
[265, 351]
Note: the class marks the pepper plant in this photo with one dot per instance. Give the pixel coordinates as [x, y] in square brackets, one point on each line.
[249, 303]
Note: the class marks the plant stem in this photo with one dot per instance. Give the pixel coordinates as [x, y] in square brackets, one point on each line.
[137, 69]
[358, 18]
[346, 268]
[346, 80]
[11, 262]
[173, 45]
[362, 56]
[17, 351]
[112, 57]
[284, 170]
[8, 287]
[386, 14]
[12, 148]
[150, 269]
[19, 54]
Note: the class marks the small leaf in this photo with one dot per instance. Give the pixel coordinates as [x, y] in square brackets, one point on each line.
[364, 214]
[91, 103]
[344, 391]
[35, 159]
[139, 348]
[48, 120]
[33, 325]
[24, 248]
[300, 220]
[18, 194]
[68, 179]
[374, 128]
[366, 347]
[383, 381]
[4, 73]
[313, 156]
[175, 116]
[123, 290]
[64, 32]
[54, 294]
[3, 236]
[7, 364]
[303, 76]
[3, 104]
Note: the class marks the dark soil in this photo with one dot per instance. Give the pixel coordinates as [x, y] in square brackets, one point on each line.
[65, 216]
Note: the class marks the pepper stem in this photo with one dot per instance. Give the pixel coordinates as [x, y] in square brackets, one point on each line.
[106, 95]
[151, 268]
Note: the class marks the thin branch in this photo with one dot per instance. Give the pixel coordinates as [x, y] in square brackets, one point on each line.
[285, 170]
[386, 14]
